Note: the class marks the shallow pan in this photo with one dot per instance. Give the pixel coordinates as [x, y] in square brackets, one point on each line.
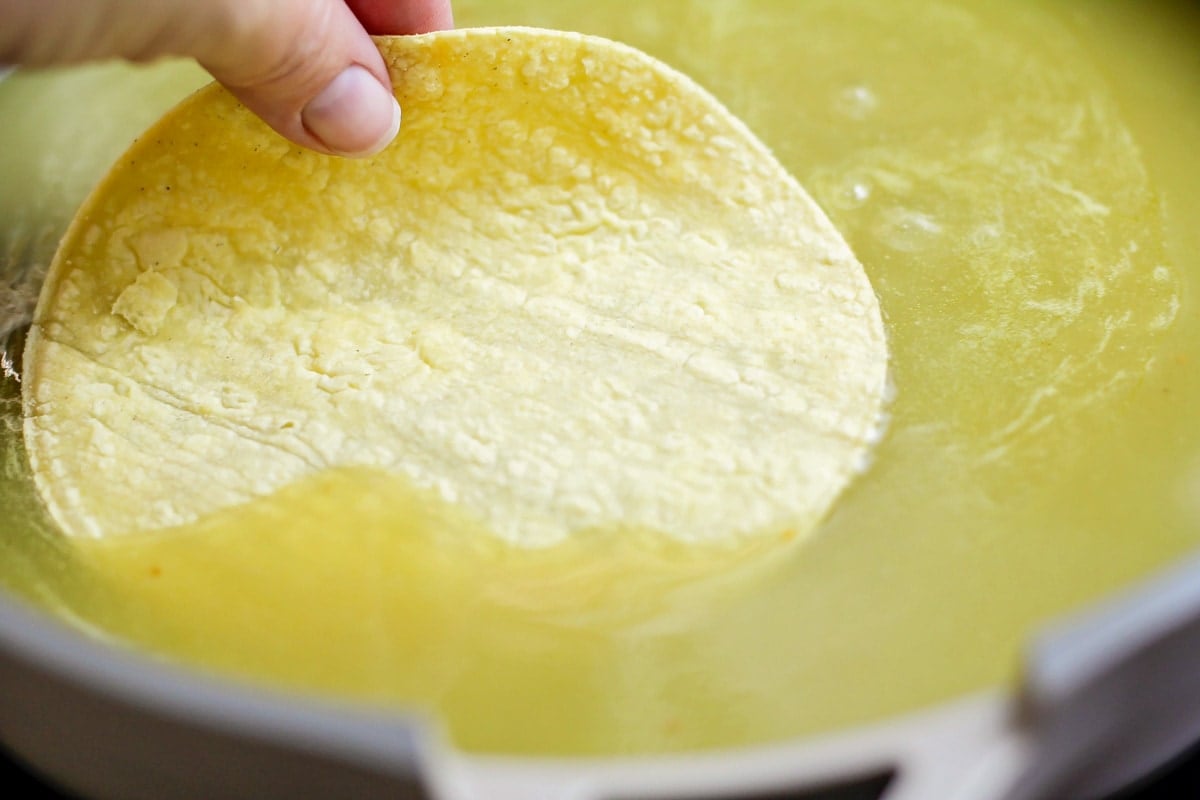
[1019, 184]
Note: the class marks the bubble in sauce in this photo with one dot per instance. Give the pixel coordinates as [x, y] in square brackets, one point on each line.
[850, 191]
[856, 102]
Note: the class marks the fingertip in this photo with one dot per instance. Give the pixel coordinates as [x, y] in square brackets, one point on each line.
[354, 115]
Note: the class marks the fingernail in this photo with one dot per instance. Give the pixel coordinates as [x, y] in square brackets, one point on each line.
[354, 115]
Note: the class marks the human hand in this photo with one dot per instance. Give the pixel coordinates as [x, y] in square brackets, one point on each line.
[307, 67]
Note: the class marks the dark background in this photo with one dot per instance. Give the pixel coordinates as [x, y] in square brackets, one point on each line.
[1177, 782]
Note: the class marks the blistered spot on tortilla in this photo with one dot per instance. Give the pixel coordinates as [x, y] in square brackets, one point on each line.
[145, 302]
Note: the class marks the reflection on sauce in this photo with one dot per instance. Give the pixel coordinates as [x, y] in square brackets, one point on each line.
[1030, 225]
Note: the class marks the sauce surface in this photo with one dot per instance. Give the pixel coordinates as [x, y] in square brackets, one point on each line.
[1018, 182]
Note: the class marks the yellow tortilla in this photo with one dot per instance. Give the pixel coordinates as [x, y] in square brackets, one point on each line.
[575, 294]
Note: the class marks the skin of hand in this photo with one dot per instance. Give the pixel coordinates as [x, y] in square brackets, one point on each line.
[307, 67]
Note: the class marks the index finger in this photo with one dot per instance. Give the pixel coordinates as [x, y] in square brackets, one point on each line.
[382, 17]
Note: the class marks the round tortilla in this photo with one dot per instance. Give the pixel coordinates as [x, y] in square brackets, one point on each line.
[576, 293]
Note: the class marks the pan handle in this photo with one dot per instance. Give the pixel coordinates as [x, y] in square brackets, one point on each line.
[963, 763]
[1111, 692]
[968, 750]
[1107, 695]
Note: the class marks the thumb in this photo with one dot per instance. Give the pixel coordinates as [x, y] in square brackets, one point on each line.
[307, 67]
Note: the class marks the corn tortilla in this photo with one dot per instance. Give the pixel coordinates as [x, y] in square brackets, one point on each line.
[575, 294]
